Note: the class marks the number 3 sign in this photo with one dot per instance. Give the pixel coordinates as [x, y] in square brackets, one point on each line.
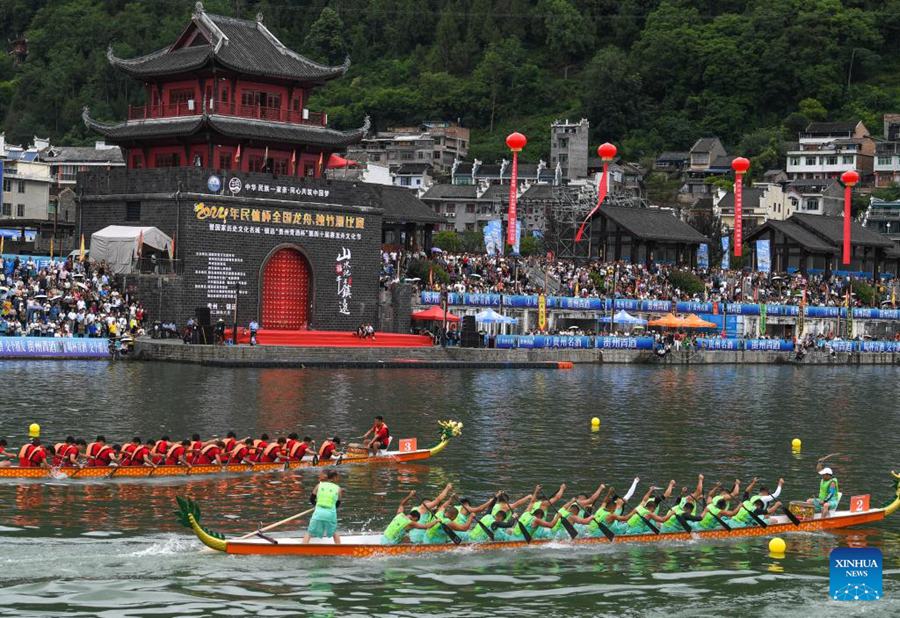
[407, 445]
[858, 504]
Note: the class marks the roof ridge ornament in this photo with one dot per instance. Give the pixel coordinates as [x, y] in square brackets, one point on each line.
[259, 17]
[198, 8]
[367, 125]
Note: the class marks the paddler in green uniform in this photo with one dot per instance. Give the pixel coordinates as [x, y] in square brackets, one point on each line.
[686, 508]
[426, 509]
[534, 523]
[465, 507]
[327, 497]
[644, 513]
[495, 523]
[829, 492]
[758, 505]
[438, 534]
[403, 523]
[589, 523]
[717, 508]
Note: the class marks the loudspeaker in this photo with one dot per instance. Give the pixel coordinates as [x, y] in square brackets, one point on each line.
[206, 335]
[203, 316]
[468, 325]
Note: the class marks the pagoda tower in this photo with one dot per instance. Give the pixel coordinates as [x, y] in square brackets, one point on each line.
[227, 95]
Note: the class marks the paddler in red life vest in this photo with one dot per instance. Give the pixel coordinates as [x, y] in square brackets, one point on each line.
[261, 443]
[33, 455]
[242, 453]
[93, 448]
[328, 448]
[273, 452]
[67, 454]
[6, 458]
[128, 451]
[298, 450]
[61, 450]
[212, 454]
[141, 456]
[177, 454]
[196, 446]
[107, 456]
[230, 441]
[159, 450]
[380, 436]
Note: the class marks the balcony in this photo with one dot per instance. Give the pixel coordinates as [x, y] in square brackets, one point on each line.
[259, 112]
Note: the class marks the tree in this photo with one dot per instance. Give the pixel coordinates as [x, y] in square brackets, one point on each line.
[326, 37]
[448, 240]
[568, 32]
[813, 110]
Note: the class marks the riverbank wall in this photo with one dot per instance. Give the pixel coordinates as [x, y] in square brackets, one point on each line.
[284, 356]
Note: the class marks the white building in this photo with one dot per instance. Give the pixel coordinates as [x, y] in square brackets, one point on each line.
[828, 149]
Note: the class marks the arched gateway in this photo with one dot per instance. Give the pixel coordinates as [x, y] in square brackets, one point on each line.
[286, 289]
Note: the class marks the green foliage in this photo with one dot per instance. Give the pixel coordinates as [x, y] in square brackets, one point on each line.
[650, 75]
[473, 241]
[598, 281]
[529, 245]
[448, 240]
[864, 292]
[687, 282]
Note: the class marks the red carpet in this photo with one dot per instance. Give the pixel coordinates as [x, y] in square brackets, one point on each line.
[332, 339]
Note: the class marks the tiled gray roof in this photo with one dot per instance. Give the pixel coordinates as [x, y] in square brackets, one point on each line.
[749, 198]
[798, 234]
[831, 229]
[401, 205]
[705, 144]
[231, 126]
[239, 44]
[463, 192]
[82, 154]
[652, 224]
[832, 127]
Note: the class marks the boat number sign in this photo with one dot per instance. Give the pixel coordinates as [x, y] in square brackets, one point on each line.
[408, 445]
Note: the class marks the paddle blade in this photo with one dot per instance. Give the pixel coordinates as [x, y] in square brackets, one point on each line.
[680, 519]
[569, 528]
[524, 532]
[609, 534]
[790, 515]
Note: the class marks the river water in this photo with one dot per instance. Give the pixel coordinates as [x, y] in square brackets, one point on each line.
[114, 548]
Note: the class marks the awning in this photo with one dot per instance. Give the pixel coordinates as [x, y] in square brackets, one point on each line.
[695, 321]
[339, 161]
[667, 321]
[623, 317]
[435, 314]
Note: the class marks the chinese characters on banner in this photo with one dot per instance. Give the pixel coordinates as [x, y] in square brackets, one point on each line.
[703, 256]
[763, 256]
[344, 281]
[222, 278]
[278, 217]
[542, 313]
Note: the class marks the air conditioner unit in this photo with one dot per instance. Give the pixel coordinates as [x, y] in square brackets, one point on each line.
[190, 104]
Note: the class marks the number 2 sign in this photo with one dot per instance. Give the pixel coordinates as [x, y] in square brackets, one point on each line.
[407, 445]
[858, 504]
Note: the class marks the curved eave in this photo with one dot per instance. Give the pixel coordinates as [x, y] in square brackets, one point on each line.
[281, 132]
[323, 75]
[143, 67]
[143, 129]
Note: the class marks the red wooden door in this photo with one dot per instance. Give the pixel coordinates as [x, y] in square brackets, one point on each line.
[285, 297]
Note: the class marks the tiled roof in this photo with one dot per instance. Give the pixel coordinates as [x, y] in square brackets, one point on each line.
[826, 128]
[705, 144]
[464, 192]
[798, 234]
[413, 168]
[239, 44]
[82, 154]
[652, 224]
[749, 198]
[401, 205]
[541, 192]
[231, 126]
[831, 229]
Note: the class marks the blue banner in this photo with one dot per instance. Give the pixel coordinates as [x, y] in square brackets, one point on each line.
[719, 344]
[624, 343]
[703, 256]
[493, 237]
[515, 249]
[726, 253]
[772, 345]
[53, 347]
[763, 256]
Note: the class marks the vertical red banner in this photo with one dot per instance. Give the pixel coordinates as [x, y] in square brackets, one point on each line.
[511, 214]
[738, 214]
[847, 198]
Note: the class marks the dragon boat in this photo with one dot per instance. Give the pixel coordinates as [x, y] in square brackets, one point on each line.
[368, 545]
[353, 456]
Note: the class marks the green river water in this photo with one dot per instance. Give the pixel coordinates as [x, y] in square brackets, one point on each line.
[114, 548]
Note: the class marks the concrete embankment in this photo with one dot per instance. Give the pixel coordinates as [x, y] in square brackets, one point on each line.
[278, 356]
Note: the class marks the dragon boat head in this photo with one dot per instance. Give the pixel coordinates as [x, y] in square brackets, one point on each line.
[188, 514]
[893, 506]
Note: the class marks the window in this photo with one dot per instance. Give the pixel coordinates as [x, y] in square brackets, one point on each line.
[21, 186]
[20, 210]
[451, 209]
[7, 184]
[811, 204]
[260, 98]
[831, 160]
[404, 181]
[795, 160]
[810, 160]
[132, 211]
[7, 209]
[470, 208]
[225, 161]
[223, 94]
[67, 214]
[884, 160]
[255, 163]
[137, 161]
[168, 160]
[848, 159]
[181, 96]
[437, 155]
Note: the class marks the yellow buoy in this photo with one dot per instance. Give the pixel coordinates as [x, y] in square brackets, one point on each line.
[34, 430]
[777, 546]
[595, 422]
[796, 444]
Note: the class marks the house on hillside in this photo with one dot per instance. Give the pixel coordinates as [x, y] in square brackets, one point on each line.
[828, 149]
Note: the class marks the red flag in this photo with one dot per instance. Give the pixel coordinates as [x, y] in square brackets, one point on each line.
[321, 161]
[511, 213]
[293, 162]
[237, 153]
[601, 195]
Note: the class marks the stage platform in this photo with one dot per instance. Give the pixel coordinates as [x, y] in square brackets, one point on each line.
[332, 339]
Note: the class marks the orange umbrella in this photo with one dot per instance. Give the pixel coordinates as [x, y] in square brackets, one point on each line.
[695, 321]
[667, 321]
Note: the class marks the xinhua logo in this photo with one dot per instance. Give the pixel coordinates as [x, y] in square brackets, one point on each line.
[856, 574]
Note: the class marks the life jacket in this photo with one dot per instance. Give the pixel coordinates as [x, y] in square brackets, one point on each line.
[171, 457]
[137, 457]
[102, 457]
[91, 451]
[327, 495]
[397, 528]
[327, 449]
[58, 447]
[66, 451]
[436, 534]
[823, 487]
[477, 533]
[267, 455]
[160, 448]
[636, 520]
[240, 452]
[128, 453]
[27, 453]
[204, 454]
[260, 444]
[298, 450]
[230, 443]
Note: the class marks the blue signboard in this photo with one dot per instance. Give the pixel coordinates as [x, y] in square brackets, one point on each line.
[772, 345]
[53, 347]
[763, 256]
[719, 344]
[624, 343]
[726, 253]
[703, 256]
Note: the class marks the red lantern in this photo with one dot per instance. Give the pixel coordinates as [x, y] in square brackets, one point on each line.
[516, 141]
[740, 165]
[607, 152]
[849, 178]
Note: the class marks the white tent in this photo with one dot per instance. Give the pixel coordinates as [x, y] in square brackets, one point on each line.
[117, 245]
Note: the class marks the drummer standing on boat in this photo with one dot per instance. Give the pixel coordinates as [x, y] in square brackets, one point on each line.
[327, 497]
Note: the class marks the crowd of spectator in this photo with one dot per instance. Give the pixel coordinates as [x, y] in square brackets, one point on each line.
[64, 299]
[470, 273]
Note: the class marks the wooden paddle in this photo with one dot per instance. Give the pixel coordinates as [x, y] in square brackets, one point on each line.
[755, 517]
[563, 520]
[678, 517]
[447, 529]
[790, 515]
[647, 523]
[276, 524]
